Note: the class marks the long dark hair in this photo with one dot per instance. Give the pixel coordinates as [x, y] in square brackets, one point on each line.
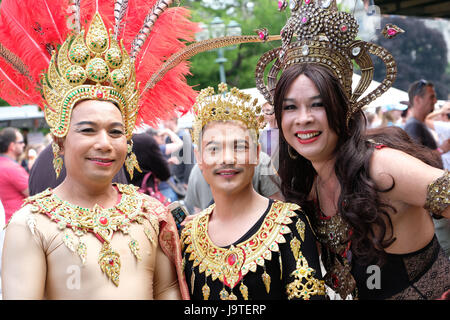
[359, 202]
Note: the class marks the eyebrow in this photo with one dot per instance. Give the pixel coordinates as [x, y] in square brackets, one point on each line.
[211, 142]
[311, 98]
[235, 142]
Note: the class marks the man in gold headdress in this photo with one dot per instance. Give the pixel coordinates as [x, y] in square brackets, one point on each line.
[89, 238]
[244, 246]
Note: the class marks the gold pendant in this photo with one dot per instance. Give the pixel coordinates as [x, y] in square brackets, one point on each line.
[109, 262]
[69, 240]
[244, 290]
[232, 296]
[82, 251]
[301, 229]
[134, 247]
[295, 247]
[148, 233]
[223, 294]
[266, 280]
[206, 291]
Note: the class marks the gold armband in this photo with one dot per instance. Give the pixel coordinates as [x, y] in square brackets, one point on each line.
[438, 195]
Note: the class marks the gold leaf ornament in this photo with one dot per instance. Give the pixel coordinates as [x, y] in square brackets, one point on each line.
[109, 262]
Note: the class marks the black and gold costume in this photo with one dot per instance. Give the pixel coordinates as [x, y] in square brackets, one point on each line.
[423, 274]
[276, 259]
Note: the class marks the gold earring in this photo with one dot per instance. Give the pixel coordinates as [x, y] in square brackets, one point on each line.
[291, 153]
[131, 161]
[57, 160]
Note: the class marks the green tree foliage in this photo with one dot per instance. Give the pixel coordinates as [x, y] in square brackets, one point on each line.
[242, 59]
[420, 53]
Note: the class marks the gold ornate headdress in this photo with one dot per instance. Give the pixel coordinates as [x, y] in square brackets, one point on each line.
[327, 37]
[92, 67]
[118, 51]
[37, 66]
[234, 105]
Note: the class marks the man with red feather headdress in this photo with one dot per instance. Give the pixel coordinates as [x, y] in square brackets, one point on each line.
[82, 62]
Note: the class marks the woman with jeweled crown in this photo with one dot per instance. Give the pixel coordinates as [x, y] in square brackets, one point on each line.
[370, 196]
[88, 238]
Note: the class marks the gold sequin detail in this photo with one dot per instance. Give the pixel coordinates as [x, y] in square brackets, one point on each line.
[438, 195]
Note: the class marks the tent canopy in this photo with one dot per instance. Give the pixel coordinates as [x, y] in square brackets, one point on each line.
[418, 8]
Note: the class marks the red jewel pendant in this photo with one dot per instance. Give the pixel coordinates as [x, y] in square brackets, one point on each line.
[232, 259]
[103, 220]
[99, 94]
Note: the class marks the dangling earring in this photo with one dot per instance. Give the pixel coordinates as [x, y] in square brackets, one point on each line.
[131, 161]
[57, 160]
[291, 153]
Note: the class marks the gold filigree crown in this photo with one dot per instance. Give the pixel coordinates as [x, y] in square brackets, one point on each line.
[327, 37]
[92, 67]
[234, 105]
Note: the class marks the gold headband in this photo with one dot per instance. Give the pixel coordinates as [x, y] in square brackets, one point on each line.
[234, 105]
[326, 36]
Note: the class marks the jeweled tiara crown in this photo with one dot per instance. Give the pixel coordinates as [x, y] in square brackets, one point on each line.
[327, 37]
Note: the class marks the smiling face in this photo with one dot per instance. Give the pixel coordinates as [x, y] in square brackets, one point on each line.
[304, 121]
[228, 156]
[95, 146]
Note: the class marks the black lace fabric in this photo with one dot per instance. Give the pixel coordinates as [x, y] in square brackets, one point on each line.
[428, 272]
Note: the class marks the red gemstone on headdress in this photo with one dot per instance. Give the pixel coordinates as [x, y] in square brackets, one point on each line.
[280, 4]
[232, 259]
[99, 94]
[307, 1]
[261, 35]
[103, 220]
[304, 19]
[344, 28]
[392, 32]
[111, 262]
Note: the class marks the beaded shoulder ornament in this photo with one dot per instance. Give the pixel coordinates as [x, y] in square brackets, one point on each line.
[327, 37]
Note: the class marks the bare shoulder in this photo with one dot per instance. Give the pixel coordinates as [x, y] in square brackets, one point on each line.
[398, 163]
[24, 225]
[21, 216]
[389, 167]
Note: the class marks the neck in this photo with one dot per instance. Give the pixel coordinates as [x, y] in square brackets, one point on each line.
[273, 124]
[87, 195]
[418, 115]
[9, 155]
[234, 205]
[324, 168]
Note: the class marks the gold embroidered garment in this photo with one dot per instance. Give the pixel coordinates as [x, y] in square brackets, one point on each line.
[270, 257]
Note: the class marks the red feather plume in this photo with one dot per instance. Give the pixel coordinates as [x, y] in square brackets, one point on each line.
[31, 29]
